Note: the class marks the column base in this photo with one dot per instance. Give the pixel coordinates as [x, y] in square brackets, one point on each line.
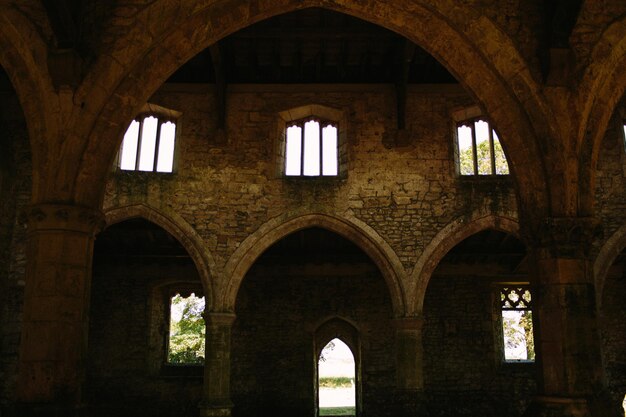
[207, 410]
[558, 407]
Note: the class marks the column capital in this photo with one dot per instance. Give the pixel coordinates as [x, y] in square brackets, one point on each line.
[68, 217]
[566, 237]
[214, 318]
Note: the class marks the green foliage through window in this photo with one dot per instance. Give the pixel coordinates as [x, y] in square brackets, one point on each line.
[480, 151]
[517, 323]
[187, 330]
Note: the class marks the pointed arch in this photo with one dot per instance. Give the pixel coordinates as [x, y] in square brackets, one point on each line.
[466, 42]
[277, 228]
[181, 230]
[346, 331]
[22, 54]
[440, 245]
[602, 87]
[609, 252]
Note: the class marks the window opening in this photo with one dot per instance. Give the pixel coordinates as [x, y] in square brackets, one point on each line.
[624, 140]
[186, 330]
[311, 148]
[148, 145]
[517, 323]
[336, 380]
[480, 151]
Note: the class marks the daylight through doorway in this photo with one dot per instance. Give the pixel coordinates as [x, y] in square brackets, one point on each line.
[336, 380]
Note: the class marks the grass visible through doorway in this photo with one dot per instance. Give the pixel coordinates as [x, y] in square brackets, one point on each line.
[337, 411]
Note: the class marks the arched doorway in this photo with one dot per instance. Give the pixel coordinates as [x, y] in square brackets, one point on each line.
[146, 331]
[339, 370]
[336, 380]
[478, 344]
[309, 277]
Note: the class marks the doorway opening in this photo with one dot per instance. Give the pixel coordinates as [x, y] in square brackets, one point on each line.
[336, 370]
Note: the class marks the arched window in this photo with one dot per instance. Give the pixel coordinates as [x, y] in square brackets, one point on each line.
[311, 148]
[336, 370]
[478, 149]
[149, 141]
[312, 143]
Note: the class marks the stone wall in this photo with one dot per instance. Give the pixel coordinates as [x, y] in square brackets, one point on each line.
[126, 374]
[280, 307]
[612, 319]
[15, 187]
[464, 372]
[225, 192]
[611, 176]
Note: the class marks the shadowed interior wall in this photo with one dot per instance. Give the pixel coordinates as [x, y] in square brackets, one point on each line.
[279, 307]
[613, 328]
[126, 374]
[464, 371]
[15, 188]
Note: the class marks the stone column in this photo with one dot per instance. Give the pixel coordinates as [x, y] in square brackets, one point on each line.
[216, 400]
[568, 349]
[56, 298]
[409, 366]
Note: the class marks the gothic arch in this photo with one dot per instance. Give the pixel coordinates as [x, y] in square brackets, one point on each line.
[609, 252]
[439, 246]
[474, 49]
[274, 230]
[21, 53]
[181, 230]
[601, 88]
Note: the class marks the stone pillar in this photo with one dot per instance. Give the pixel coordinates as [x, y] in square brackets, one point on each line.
[216, 400]
[409, 367]
[568, 349]
[56, 300]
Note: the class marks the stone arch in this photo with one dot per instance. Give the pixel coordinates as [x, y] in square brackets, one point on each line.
[445, 240]
[346, 331]
[601, 88]
[609, 252]
[182, 231]
[274, 230]
[475, 49]
[21, 53]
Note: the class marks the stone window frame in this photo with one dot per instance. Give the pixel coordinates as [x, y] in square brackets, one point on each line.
[348, 333]
[160, 299]
[317, 112]
[163, 115]
[498, 328]
[461, 117]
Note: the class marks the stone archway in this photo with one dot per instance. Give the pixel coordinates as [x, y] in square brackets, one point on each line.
[274, 230]
[610, 281]
[609, 252]
[182, 231]
[21, 54]
[601, 88]
[478, 54]
[445, 240]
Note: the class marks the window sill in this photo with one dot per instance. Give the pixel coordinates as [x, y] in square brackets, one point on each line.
[182, 371]
[317, 179]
